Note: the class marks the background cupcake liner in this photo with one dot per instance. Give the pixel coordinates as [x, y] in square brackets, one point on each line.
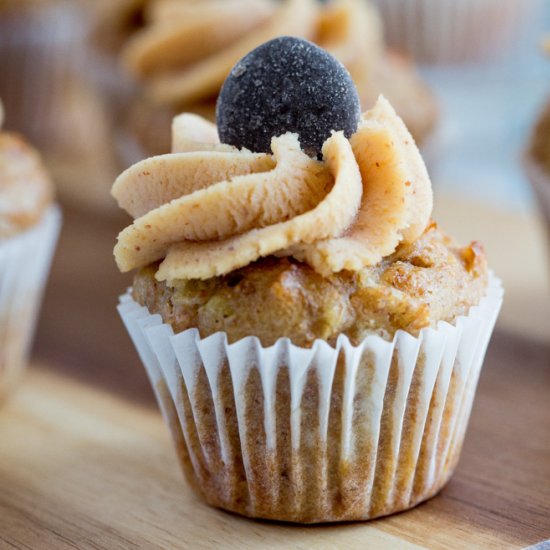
[320, 434]
[41, 49]
[24, 266]
[442, 31]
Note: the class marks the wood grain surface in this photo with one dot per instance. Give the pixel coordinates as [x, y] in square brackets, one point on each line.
[81, 469]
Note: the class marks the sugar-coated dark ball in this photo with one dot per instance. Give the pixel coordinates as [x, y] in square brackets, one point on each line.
[286, 85]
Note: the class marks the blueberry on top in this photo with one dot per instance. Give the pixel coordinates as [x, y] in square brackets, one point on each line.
[286, 85]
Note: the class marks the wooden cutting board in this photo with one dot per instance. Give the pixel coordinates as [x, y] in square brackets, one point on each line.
[82, 469]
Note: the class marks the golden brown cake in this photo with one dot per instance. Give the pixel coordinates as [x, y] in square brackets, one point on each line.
[182, 50]
[313, 338]
[422, 283]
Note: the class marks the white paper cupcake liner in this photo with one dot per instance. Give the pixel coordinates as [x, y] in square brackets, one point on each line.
[41, 50]
[442, 31]
[321, 434]
[24, 267]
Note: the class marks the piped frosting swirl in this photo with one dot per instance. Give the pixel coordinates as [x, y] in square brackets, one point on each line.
[208, 209]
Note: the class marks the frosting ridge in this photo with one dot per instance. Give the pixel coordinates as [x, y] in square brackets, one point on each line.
[206, 213]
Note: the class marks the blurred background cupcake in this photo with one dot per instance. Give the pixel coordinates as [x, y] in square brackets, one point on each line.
[29, 225]
[40, 49]
[178, 52]
[49, 97]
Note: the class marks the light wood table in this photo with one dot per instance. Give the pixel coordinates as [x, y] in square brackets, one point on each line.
[86, 462]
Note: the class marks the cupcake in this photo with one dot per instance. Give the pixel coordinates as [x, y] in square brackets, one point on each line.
[313, 338]
[455, 31]
[183, 50]
[29, 225]
[49, 98]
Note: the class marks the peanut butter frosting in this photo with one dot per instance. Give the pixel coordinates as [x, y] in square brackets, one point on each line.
[209, 209]
[185, 49]
[25, 187]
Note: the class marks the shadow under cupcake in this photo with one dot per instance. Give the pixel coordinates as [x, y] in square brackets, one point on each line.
[313, 339]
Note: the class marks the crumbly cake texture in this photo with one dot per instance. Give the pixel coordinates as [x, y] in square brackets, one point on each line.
[540, 142]
[25, 186]
[429, 280]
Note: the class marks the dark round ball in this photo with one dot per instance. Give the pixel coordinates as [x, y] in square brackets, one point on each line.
[286, 85]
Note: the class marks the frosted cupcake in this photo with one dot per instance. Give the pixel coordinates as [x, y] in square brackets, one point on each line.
[313, 339]
[184, 50]
[29, 225]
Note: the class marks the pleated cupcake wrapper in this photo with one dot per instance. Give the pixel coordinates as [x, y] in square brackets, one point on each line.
[24, 267]
[443, 31]
[321, 434]
[41, 49]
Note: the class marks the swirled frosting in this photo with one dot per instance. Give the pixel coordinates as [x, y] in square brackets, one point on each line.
[185, 49]
[25, 187]
[208, 209]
